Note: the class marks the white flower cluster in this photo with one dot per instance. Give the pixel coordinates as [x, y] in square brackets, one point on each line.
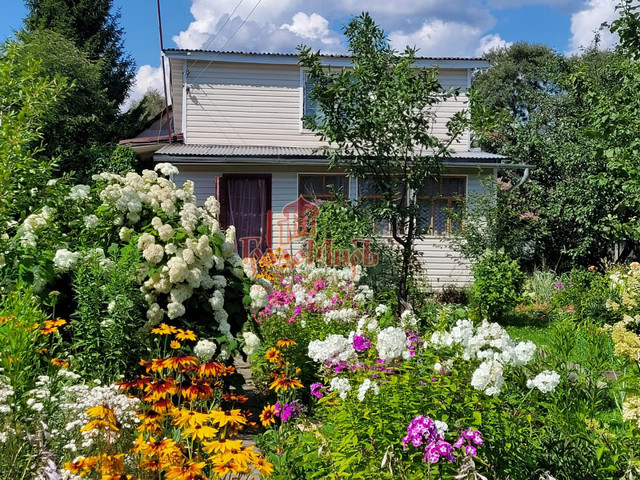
[408, 320]
[259, 298]
[492, 345]
[391, 343]
[252, 342]
[367, 323]
[80, 193]
[545, 381]
[340, 385]
[80, 398]
[64, 260]
[343, 315]
[181, 266]
[364, 293]
[333, 349]
[205, 349]
[6, 391]
[337, 276]
[33, 224]
[365, 387]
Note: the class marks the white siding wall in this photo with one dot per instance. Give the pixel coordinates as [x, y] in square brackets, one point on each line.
[443, 265]
[176, 94]
[257, 104]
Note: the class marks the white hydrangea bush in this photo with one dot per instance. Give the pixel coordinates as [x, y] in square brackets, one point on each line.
[185, 255]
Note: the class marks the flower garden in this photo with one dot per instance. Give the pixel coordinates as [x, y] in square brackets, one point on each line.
[125, 311]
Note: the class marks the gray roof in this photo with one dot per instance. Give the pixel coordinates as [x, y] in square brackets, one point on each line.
[327, 55]
[239, 154]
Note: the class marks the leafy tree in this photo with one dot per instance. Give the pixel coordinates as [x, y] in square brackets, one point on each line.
[377, 115]
[142, 111]
[612, 119]
[94, 29]
[526, 106]
[27, 99]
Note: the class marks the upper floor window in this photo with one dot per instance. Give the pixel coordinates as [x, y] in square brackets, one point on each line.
[322, 187]
[436, 200]
[309, 106]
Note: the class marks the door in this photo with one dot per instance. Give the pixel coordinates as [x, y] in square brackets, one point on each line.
[245, 202]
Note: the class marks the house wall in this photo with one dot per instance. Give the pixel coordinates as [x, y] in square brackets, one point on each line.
[175, 75]
[232, 103]
[443, 265]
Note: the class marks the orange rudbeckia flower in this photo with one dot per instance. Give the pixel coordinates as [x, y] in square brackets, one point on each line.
[285, 383]
[268, 415]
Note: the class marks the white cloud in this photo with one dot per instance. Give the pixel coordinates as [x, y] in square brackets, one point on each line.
[311, 27]
[491, 42]
[585, 24]
[440, 39]
[146, 77]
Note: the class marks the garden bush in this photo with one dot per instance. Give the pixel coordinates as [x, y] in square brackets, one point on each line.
[497, 285]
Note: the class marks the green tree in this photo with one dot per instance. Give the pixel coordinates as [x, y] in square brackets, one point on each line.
[612, 120]
[92, 26]
[526, 106]
[377, 115]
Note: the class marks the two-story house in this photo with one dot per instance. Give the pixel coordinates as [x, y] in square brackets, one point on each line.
[239, 115]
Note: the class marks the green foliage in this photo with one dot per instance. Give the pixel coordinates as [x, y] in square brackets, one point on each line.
[541, 287]
[106, 339]
[528, 106]
[584, 294]
[497, 285]
[29, 97]
[491, 222]
[378, 114]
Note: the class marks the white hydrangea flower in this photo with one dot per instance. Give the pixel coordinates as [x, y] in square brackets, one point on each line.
[153, 253]
[259, 298]
[175, 310]
[252, 342]
[391, 343]
[91, 221]
[205, 349]
[145, 240]
[217, 300]
[64, 260]
[79, 192]
[545, 381]
[155, 314]
[165, 232]
[340, 385]
[167, 169]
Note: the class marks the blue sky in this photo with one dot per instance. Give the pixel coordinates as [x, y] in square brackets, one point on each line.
[436, 27]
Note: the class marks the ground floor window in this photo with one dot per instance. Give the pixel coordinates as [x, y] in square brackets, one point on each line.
[437, 198]
[322, 187]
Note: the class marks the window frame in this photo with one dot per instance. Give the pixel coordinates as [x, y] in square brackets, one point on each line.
[450, 199]
[374, 223]
[303, 101]
[322, 174]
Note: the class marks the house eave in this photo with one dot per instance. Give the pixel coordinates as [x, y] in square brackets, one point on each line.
[329, 60]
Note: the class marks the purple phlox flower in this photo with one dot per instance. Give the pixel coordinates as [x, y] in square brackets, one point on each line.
[361, 344]
[297, 310]
[559, 285]
[340, 367]
[468, 440]
[439, 448]
[317, 390]
[289, 411]
[319, 285]
[298, 278]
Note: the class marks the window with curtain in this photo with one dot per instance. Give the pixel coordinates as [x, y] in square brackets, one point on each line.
[435, 200]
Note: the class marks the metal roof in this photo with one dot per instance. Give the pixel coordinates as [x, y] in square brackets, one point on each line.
[244, 154]
[327, 55]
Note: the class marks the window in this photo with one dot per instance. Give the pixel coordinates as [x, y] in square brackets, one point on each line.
[309, 107]
[435, 200]
[322, 187]
[369, 196]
